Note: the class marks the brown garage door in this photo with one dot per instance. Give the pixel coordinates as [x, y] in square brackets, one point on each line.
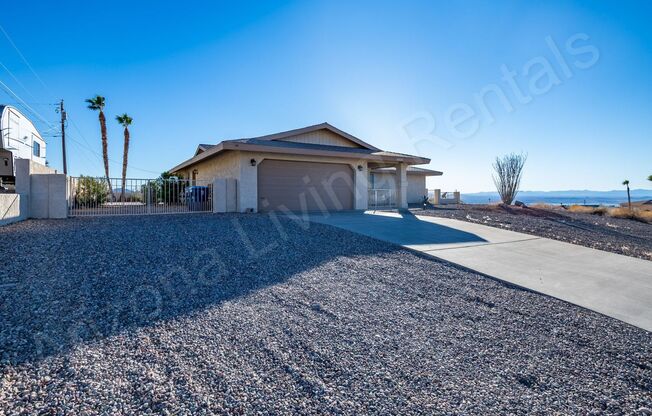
[304, 186]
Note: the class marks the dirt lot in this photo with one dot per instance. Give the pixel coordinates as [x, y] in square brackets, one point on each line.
[201, 314]
[622, 236]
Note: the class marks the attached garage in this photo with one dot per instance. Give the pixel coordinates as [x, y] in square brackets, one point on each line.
[304, 186]
[315, 168]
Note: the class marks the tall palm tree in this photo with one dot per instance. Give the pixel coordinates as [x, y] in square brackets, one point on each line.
[97, 104]
[629, 199]
[125, 121]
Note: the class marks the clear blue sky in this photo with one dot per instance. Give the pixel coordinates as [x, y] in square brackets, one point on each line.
[199, 72]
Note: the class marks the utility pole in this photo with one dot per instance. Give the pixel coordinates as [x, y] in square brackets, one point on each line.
[63, 137]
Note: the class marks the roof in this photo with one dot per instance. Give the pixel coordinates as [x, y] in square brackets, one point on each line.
[273, 143]
[411, 170]
[203, 148]
[315, 127]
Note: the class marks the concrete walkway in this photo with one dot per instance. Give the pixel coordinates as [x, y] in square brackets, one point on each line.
[612, 284]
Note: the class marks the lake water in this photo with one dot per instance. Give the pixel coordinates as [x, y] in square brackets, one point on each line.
[579, 200]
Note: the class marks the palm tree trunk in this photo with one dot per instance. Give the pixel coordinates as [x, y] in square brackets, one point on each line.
[105, 152]
[125, 154]
[629, 199]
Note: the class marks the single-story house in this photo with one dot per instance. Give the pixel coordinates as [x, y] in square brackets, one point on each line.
[315, 168]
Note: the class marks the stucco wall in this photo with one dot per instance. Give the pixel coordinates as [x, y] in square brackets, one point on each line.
[416, 188]
[13, 208]
[225, 165]
[47, 198]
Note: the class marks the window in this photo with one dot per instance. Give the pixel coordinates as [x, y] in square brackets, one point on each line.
[37, 149]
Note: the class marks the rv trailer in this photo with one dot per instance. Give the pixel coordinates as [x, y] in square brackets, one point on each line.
[19, 139]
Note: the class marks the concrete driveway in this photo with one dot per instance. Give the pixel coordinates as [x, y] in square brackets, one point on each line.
[612, 284]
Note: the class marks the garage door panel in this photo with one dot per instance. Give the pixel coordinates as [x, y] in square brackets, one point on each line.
[298, 186]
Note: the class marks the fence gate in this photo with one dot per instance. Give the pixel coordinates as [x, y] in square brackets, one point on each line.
[89, 196]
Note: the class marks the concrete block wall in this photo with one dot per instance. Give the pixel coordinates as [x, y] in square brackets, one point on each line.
[438, 200]
[225, 195]
[48, 196]
[40, 193]
[13, 208]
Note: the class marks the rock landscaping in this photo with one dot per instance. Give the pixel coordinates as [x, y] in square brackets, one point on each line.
[617, 235]
[205, 314]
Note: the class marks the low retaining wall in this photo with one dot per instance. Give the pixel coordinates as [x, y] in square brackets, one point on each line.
[40, 193]
[13, 208]
[47, 197]
[439, 200]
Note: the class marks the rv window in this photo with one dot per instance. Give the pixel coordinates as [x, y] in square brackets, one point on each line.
[37, 149]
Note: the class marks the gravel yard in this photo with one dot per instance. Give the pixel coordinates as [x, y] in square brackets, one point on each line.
[621, 236]
[199, 314]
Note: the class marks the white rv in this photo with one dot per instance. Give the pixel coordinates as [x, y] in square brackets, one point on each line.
[19, 140]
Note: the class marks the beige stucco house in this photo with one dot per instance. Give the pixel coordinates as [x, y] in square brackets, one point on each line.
[315, 168]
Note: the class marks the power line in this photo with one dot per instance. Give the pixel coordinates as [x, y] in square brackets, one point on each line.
[34, 112]
[24, 104]
[17, 80]
[24, 59]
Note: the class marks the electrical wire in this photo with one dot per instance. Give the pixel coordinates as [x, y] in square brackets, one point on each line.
[11, 42]
[35, 113]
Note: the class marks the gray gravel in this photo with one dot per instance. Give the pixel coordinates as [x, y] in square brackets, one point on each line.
[121, 316]
[617, 235]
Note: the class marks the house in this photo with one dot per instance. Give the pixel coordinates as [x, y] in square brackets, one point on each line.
[19, 139]
[315, 168]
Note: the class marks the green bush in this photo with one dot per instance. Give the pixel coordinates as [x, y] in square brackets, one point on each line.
[91, 191]
[168, 189]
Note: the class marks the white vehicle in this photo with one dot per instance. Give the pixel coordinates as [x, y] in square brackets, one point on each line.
[19, 139]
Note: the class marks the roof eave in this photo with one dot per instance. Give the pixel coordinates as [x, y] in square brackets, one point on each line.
[247, 147]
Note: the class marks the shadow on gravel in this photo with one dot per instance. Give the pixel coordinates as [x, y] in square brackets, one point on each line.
[69, 282]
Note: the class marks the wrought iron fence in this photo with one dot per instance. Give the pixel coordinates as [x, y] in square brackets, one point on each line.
[382, 198]
[92, 196]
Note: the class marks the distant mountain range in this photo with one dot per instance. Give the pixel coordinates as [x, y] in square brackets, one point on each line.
[586, 196]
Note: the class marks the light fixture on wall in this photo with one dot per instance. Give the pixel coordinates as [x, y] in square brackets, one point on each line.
[360, 168]
[253, 162]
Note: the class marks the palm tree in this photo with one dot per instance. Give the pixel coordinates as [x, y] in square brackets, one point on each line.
[629, 199]
[649, 178]
[97, 104]
[125, 121]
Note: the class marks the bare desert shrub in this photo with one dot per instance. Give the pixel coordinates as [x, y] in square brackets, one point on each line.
[637, 214]
[509, 169]
[581, 209]
[632, 214]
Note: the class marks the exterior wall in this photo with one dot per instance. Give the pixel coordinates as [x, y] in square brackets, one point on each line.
[225, 165]
[416, 185]
[48, 196]
[321, 137]
[237, 165]
[416, 188]
[224, 195]
[40, 193]
[19, 136]
[13, 208]
[383, 181]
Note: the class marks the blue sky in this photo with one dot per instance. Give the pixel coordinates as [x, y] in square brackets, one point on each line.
[405, 76]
